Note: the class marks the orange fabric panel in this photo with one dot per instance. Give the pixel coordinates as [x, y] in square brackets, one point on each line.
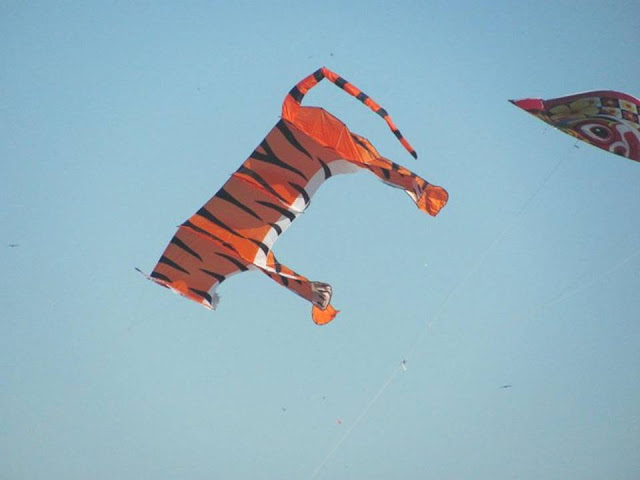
[328, 131]
[322, 317]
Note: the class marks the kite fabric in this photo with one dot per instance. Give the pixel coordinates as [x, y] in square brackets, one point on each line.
[605, 119]
[236, 229]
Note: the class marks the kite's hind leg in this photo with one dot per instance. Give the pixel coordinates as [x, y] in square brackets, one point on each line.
[318, 293]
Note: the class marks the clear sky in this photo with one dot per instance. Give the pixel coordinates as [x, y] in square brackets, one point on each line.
[120, 119]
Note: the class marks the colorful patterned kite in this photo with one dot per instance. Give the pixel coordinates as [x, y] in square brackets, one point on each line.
[605, 119]
[236, 229]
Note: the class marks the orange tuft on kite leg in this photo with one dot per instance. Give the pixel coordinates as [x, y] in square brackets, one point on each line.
[322, 317]
[432, 199]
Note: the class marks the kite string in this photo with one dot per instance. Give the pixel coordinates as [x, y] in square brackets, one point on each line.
[578, 287]
[482, 257]
[355, 423]
[429, 324]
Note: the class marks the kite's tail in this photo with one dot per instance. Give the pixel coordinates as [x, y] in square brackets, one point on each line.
[294, 98]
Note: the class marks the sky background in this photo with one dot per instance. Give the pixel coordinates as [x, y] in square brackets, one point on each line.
[120, 119]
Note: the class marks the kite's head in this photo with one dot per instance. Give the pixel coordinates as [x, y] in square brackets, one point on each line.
[607, 123]
[609, 133]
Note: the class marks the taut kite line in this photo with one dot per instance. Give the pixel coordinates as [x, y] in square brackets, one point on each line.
[236, 229]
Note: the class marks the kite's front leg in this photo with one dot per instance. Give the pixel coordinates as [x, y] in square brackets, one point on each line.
[429, 198]
[318, 293]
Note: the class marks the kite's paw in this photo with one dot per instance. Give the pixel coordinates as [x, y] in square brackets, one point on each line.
[431, 199]
[321, 294]
[322, 311]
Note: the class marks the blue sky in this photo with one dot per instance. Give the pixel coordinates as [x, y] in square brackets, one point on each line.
[120, 119]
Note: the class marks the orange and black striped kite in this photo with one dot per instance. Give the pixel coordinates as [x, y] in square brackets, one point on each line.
[236, 229]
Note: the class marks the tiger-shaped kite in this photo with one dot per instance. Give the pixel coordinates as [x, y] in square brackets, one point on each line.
[236, 229]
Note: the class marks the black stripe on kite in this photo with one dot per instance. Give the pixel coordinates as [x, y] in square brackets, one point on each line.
[296, 94]
[397, 134]
[282, 211]
[382, 112]
[180, 244]
[160, 276]
[279, 277]
[363, 97]
[260, 245]
[277, 228]
[302, 192]
[203, 294]
[167, 261]
[217, 276]
[341, 82]
[224, 195]
[318, 75]
[203, 212]
[263, 183]
[325, 169]
[385, 172]
[270, 157]
[241, 266]
[288, 134]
